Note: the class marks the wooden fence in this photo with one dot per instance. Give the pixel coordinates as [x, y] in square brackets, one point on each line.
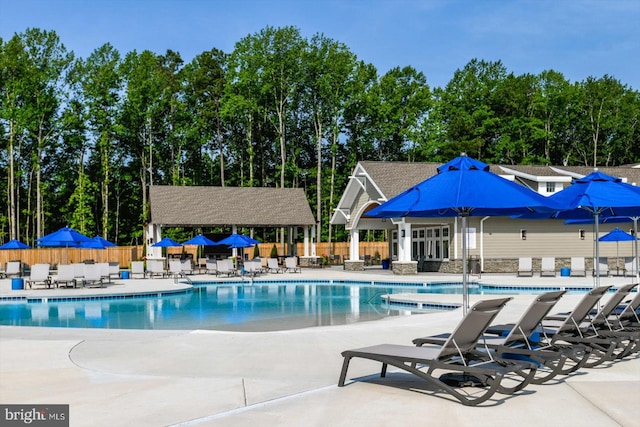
[125, 254]
[53, 256]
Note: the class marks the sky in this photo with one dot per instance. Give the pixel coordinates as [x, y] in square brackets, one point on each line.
[579, 38]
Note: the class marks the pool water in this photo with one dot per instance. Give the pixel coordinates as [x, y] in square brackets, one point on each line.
[231, 308]
[266, 306]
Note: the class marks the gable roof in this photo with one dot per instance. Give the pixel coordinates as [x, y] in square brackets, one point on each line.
[392, 178]
[174, 206]
[380, 181]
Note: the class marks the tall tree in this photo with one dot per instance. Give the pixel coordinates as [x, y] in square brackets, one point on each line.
[101, 85]
[44, 92]
[13, 70]
[467, 109]
[329, 67]
[204, 87]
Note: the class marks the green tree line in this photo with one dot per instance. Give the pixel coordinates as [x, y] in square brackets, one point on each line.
[84, 138]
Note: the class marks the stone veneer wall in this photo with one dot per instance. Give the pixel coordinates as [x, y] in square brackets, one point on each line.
[508, 265]
[405, 268]
[357, 265]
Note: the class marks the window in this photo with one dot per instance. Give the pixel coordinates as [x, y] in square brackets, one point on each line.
[551, 187]
[431, 243]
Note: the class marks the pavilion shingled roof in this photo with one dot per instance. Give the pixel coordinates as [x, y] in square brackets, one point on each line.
[219, 206]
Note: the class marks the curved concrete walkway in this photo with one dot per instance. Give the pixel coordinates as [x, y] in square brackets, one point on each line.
[285, 378]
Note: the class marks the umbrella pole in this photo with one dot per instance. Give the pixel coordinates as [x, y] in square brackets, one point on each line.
[617, 258]
[597, 260]
[635, 246]
[465, 289]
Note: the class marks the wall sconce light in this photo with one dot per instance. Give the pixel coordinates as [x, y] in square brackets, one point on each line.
[523, 234]
[403, 233]
[581, 234]
[632, 232]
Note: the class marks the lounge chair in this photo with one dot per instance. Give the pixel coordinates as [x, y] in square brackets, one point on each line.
[565, 328]
[577, 266]
[137, 267]
[114, 270]
[39, 275]
[14, 268]
[78, 271]
[212, 267]
[626, 316]
[603, 267]
[525, 267]
[155, 267]
[175, 268]
[65, 276]
[273, 267]
[186, 266]
[575, 328]
[548, 266]
[458, 354]
[104, 271]
[522, 341]
[291, 265]
[225, 266]
[601, 326]
[92, 276]
[253, 267]
[629, 266]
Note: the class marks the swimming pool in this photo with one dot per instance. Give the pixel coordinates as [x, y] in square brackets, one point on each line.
[257, 306]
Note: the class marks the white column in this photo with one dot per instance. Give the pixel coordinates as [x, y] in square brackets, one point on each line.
[354, 245]
[313, 241]
[404, 242]
[154, 235]
[290, 240]
[306, 240]
[234, 251]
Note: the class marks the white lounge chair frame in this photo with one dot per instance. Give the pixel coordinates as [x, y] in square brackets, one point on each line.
[629, 266]
[92, 276]
[291, 266]
[525, 267]
[65, 276]
[577, 266]
[603, 267]
[155, 267]
[273, 267]
[548, 266]
[39, 275]
[137, 267]
[14, 268]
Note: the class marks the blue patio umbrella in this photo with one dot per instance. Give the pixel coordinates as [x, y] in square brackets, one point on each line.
[594, 197]
[200, 240]
[92, 244]
[14, 244]
[66, 237]
[463, 187]
[105, 242]
[238, 241]
[166, 242]
[617, 235]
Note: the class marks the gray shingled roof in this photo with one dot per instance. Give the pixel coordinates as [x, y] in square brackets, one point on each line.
[395, 177]
[220, 206]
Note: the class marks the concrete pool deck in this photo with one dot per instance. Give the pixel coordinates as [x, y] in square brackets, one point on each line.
[286, 378]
